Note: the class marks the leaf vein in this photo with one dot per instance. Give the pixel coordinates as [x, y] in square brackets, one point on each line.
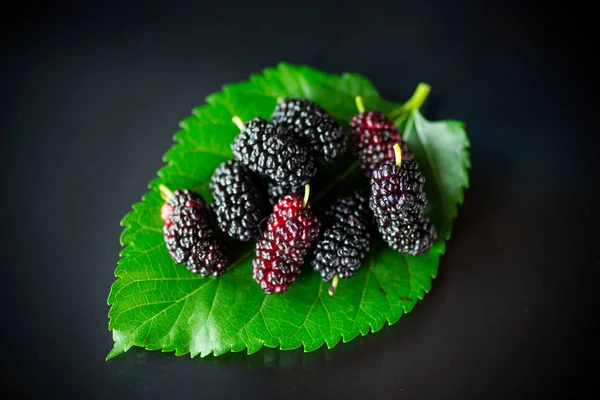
[307, 316]
[251, 319]
[163, 310]
[362, 297]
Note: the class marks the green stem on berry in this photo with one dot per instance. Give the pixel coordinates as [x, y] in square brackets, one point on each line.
[398, 154]
[165, 192]
[359, 104]
[238, 121]
[280, 99]
[306, 195]
[334, 284]
[414, 103]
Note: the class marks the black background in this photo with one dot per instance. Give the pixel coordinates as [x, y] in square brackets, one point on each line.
[92, 94]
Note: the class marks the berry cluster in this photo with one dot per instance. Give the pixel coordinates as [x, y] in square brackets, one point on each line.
[262, 194]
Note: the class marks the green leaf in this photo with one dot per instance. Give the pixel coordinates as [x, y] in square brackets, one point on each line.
[157, 304]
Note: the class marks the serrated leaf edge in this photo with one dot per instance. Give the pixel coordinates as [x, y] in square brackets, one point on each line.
[212, 100]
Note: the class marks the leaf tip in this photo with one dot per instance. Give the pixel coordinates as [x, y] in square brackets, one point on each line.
[113, 353]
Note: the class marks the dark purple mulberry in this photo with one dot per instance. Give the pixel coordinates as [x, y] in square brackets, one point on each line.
[373, 137]
[398, 203]
[188, 235]
[270, 150]
[239, 204]
[345, 239]
[313, 125]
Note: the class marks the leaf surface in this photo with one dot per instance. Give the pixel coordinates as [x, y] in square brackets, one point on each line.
[157, 304]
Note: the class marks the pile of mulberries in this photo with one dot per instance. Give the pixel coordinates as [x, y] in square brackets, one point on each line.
[263, 195]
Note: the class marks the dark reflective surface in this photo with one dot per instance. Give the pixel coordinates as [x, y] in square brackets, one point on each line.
[92, 95]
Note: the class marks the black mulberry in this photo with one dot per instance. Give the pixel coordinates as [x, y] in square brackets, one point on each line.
[345, 240]
[188, 235]
[270, 150]
[398, 203]
[238, 205]
[313, 125]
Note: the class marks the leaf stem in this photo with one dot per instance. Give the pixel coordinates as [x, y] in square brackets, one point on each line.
[398, 154]
[238, 121]
[306, 195]
[334, 183]
[414, 103]
[165, 192]
[359, 104]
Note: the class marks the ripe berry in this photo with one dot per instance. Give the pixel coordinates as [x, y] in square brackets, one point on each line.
[373, 137]
[239, 205]
[291, 230]
[188, 234]
[271, 150]
[398, 203]
[413, 238]
[270, 270]
[344, 242]
[313, 125]
[293, 227]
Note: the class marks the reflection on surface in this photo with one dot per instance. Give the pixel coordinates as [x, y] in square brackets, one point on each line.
[270, 358]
